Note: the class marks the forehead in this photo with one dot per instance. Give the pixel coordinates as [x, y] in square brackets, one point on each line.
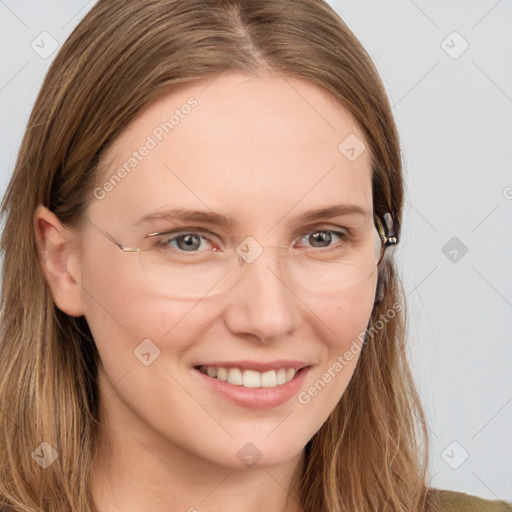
[241, 145]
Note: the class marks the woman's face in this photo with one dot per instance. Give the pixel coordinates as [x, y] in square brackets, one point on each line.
[262, 151]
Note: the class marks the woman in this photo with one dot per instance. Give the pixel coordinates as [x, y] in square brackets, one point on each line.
[200, 309]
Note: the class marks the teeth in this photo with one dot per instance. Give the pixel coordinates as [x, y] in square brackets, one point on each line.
[281, 376]
[235, 376]
[269, 379]
[222, 374]
[251, 378]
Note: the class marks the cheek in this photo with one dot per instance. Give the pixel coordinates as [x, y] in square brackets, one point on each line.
[350, 318]
[344, 320]
[122, 310]
[346, 314]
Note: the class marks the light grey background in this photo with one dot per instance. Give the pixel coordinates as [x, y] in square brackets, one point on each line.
[454, 114]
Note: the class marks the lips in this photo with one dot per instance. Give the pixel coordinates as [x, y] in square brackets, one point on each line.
[257, 398]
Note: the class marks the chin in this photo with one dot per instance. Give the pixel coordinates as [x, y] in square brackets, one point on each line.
[244, 453]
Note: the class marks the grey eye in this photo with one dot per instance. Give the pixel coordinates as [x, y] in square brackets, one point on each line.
[188, 242]
[319, 238]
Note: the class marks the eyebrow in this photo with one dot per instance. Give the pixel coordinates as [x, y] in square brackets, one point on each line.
[217, 219]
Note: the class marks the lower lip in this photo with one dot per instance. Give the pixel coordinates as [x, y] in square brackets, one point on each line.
[256, 398]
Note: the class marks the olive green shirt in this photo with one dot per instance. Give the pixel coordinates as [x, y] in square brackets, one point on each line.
[452, 501]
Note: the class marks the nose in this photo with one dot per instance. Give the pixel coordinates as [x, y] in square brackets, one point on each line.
[262, 302]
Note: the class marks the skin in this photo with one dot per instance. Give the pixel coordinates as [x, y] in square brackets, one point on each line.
[258, 148]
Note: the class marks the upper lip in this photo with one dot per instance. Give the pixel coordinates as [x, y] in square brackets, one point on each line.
[259, 366]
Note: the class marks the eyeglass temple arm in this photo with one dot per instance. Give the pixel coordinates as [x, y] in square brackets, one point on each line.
[112, 238]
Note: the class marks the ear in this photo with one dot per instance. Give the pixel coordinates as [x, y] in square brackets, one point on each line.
[59, 261]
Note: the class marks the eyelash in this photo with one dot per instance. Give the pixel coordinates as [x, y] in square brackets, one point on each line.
[345, 236]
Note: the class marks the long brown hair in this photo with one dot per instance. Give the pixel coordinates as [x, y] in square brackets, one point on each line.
[371, 453]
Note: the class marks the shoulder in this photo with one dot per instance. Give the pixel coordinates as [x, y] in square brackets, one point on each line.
[453, 501]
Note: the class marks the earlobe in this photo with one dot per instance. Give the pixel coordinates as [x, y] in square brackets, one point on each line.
[59, 261]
